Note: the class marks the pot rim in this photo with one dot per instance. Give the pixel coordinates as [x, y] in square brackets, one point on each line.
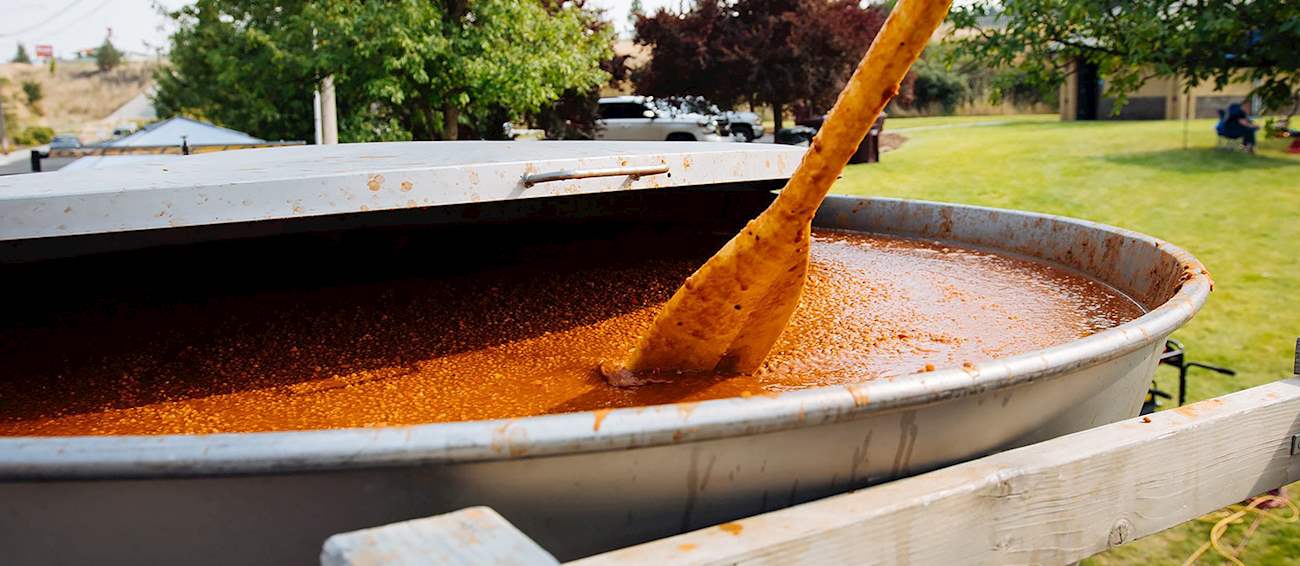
[143, 456]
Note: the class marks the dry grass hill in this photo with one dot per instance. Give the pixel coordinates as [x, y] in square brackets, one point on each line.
[75, 98]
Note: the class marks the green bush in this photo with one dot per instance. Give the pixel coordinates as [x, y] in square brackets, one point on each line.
[936, 85]
[34, 135]
[33, 91]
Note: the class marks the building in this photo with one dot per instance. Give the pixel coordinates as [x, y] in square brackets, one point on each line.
[170, 132]
[1161, 98]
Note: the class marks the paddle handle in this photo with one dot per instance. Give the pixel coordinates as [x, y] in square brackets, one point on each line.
[875, 82]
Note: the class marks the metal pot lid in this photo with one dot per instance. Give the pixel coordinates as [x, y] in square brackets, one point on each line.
[291, 182]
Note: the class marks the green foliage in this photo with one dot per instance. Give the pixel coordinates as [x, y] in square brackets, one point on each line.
[1035, 42]
[400, 68]
[107, 57]
[945, 78]
[34, 135]
[936, 85]
[636, 10]
[21, 56]
[32, 90]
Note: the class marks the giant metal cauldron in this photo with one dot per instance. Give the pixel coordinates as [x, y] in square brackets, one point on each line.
[646, 472]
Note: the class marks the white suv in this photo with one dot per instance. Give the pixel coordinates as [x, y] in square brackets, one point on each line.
[637, 118]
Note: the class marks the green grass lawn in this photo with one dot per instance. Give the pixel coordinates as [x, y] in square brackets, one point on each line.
[1239, 214]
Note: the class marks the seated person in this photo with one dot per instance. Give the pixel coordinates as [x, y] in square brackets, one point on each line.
[1235, 123]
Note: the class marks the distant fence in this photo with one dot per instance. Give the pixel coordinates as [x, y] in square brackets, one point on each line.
[182, 149]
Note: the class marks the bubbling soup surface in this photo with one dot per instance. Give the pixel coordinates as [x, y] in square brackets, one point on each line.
[518, 340]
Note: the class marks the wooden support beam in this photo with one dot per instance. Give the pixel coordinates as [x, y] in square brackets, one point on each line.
[477, 535]
[1055, 502]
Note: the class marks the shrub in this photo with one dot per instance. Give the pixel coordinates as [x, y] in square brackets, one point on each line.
[34, 135]
[34, 95]
[33, 91]
[939, 86]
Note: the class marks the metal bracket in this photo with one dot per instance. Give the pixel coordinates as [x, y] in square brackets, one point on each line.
[1295, 444]
[1295, 368]
[568, 174]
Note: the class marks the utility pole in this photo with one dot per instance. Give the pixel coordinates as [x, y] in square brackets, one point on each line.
[329, 125]
[4, 132]
[315, 107]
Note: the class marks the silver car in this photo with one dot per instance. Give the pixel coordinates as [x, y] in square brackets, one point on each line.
[65, 141]
[639, 118]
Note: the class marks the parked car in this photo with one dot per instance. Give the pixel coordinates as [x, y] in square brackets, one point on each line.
[65, 141]
[641, 118]
[796, 135]
[744, 126]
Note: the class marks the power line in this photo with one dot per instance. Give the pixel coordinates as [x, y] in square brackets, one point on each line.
[56, 14]
[79, 19]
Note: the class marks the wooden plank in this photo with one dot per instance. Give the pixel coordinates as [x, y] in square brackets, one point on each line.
[477, 535]
[1055, 502]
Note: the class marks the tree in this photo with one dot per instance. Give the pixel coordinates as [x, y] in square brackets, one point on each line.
[573, 115]
[107, 57]
[634, 12]
[775, 52]
[1039, 42]
[409, 69]
[21, 55]
[34, 93]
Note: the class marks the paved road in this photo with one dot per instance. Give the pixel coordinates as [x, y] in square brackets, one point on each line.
[136, 109]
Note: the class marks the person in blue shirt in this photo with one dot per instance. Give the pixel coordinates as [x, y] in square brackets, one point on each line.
[1235, 123]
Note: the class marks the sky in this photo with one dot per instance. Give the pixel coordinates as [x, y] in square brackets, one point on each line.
[138, 28]
[69, 25]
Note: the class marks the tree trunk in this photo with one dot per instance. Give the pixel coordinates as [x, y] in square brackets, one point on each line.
[450, 121]
[4, 133]
[777, 107]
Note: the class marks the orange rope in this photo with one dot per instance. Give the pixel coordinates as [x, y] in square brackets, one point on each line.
[1217, 531]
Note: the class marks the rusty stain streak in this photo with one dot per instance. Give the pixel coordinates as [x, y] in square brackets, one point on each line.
[1194, 410]
[600, 415]
[686, 547]
[733, 529]
[859, 394]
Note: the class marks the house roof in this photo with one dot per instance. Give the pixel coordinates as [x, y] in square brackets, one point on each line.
[171, 131]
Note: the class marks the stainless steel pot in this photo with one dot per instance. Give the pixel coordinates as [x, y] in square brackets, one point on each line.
[577, 483]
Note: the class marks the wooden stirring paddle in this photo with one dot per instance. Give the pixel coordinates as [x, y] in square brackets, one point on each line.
[730, 312]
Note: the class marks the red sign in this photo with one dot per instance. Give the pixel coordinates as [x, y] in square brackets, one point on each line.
[46, 51]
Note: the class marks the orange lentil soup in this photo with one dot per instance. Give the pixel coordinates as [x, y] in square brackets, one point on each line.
[520, 337]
